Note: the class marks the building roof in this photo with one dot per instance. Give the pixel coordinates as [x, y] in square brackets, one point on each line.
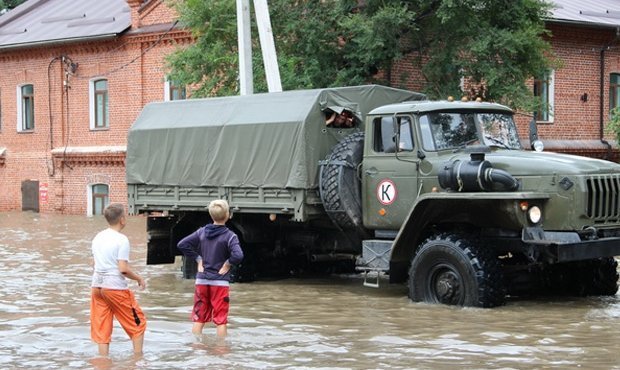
[37, 22]
[59, 21]
[599, 13]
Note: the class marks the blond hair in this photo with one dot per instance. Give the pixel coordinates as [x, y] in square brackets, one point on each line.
[113, 213]
[218, 209]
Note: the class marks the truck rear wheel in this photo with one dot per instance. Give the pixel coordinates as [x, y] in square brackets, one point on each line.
[339, 184]
[449, 269]
[189, 268]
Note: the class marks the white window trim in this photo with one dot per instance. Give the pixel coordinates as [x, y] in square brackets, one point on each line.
[551, 98]
[167, 90]
[91, 103]
[89, 197]
[20, 107]
[89, 200]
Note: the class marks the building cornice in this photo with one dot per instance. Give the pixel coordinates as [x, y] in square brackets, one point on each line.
[90, 156]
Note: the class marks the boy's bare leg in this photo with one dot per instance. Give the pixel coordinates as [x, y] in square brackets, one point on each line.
[197, 328]
[104, 348]
[138, 341]
[221, 330]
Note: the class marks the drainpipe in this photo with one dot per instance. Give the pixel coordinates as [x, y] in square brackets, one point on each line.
[602, 102]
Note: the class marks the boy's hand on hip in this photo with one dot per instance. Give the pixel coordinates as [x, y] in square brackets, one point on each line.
[225, 268]
[141, 284]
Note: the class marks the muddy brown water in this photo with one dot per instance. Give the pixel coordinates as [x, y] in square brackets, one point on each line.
[331, 323]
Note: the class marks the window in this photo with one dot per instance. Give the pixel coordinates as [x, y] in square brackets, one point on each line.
[544, 91]
[174, 91]
[98, 199]
[384, 135]
[99, 110]
[454, 130]
[614, 90]
[25, 108]
[405, 139]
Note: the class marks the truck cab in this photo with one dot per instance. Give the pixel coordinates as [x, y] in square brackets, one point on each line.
[465, 215]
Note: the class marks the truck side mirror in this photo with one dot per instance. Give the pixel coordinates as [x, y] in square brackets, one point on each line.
[535, 143]
[533, 131]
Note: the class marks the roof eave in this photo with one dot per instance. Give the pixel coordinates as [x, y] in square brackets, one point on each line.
[59, 41]
[582, 23]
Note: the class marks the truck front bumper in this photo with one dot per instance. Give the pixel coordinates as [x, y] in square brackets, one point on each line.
[568, 246]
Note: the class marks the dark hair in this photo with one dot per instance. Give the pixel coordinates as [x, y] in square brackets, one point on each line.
[113, 213]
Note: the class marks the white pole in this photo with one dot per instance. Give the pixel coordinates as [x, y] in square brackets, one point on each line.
[268, 46]
[244, 40]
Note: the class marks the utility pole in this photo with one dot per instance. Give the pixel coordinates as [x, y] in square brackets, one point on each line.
[268, 48]
[244, 41]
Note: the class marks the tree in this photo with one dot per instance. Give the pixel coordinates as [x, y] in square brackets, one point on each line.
[6, 5]
[494, 45]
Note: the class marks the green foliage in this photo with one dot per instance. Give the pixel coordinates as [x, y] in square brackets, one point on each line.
[9, 4]
[613, 126]
[497, 45]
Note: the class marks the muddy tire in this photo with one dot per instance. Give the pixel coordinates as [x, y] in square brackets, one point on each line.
[189, 268]
[340, 186]
[450, 269]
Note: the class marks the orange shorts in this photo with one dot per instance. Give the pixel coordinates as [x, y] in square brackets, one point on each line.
[108, 303]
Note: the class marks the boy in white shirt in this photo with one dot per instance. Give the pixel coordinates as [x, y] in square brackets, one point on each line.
[111, 296]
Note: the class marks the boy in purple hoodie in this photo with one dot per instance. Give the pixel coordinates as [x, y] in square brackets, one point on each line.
[215, 248]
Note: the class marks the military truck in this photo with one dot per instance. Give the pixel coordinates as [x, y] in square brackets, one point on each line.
[439, 195]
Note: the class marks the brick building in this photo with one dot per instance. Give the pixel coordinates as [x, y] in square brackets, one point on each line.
[584, 35]
[75, 75]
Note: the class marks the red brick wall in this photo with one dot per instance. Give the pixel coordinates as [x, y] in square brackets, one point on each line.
[130, 86]
[578, 49]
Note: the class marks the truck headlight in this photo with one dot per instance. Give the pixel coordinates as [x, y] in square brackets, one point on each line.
[538, 146]
[534, 213]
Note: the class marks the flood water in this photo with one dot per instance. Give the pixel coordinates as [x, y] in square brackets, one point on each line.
[332, 323]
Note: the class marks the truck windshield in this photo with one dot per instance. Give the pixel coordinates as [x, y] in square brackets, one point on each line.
[451, 130]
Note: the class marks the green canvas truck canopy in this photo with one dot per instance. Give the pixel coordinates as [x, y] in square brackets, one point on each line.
[271, 140]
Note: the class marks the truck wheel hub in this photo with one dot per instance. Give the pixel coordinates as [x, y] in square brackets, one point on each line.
[446, 285]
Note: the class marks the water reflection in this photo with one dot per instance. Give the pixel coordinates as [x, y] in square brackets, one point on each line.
[301, 324]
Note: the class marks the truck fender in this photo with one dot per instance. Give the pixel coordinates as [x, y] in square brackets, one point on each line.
[432, 209]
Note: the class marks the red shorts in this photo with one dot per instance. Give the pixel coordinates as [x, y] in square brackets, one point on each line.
[211, 303]
[108, 303]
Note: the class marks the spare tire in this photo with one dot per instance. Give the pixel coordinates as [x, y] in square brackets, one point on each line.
[340, 186]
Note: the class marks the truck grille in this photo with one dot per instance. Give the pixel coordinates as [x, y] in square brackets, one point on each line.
[603, 198]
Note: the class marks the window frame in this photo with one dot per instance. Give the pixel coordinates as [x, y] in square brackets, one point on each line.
[170, 87]
[548, 81]
[94, 93]
[614, 91]
[93, 196]
[22, 103]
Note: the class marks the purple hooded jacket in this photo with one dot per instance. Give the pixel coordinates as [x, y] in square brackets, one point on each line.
[214, 244]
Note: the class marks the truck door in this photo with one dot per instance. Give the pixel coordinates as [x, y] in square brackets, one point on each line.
[389, 172]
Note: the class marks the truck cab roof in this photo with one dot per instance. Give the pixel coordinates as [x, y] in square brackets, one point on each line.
[422, 106]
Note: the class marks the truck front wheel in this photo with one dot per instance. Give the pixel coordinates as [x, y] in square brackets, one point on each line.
[449, 269]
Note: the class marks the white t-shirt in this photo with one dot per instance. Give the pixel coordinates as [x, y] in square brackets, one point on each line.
[108, 247]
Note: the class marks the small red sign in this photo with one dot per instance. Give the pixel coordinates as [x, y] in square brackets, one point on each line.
[43, 195]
